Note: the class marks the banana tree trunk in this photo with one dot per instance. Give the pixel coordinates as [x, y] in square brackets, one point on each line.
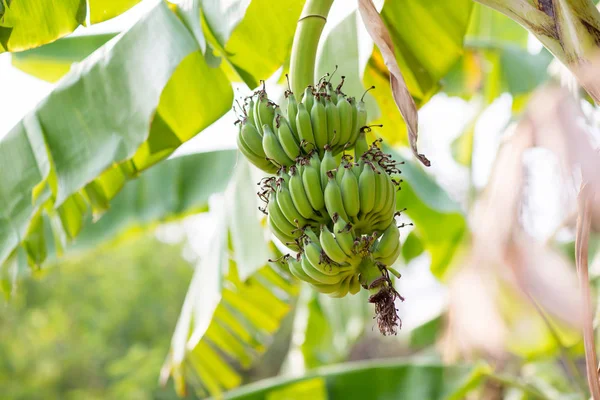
[569, 29]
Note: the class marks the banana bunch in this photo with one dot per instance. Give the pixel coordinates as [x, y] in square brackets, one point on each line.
[334, 209]
[324, 119]
[362, 192]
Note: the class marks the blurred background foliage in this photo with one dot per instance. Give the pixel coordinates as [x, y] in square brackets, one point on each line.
[95, 326]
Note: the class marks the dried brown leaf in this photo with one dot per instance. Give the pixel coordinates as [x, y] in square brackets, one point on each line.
[381, 36]
[585, 198]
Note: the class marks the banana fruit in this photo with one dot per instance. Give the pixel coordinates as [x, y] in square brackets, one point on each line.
[332, 199]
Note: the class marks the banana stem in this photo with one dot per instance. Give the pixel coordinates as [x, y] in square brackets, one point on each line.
[306, 40]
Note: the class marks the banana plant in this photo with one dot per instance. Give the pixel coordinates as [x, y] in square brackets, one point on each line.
[87, 164]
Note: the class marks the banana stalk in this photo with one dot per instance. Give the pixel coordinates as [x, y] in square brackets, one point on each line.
[306, 40]
[569, 29]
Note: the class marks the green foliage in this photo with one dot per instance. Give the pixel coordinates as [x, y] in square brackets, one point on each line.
[406, 379]
[428, 40]
[94, 327]
[29, 24]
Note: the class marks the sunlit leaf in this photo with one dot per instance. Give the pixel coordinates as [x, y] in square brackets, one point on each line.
[172, 190]
[428, 40]
[332, 326]
[439, 222]
[112, 116]
[27, 24]
[52, 61]
[101, 10]
[405, 379]
[257, 45]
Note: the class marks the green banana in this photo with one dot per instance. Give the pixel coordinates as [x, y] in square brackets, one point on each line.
[252, 138]
[350, 194]
[381, 188]
[298, 272]
[317, 275]
[354, 285]
[304, 126]
[366, 189]
[344, 237]
[343, 289]
[391, 259]
[332, 247]
[333, 97]
[251, 116]
[318, 119]
[259, 162]
[292, 111]
[299, 195]
[326, 289]
[340, 172]
[312, 251]
[328, 163]
[333, 123]
[333, 198]
[355, 129]
[361, 146]
[278, 218]
[312, 186]
[388, 242]
[287, 139]
[311, 234]
[345, 113]
[308, 99]
[286, 204]
[273, 148]
[264, 111]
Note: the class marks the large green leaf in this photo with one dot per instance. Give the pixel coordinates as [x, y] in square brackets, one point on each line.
[376, 380]
[496, 59]
[172, 190]
[226, 322]
[260, 42]
[27, 24]
[331, 326]
[52, 61]
[101, 10]
[113, 115]
[428, 40]
[32, 23]
[440, 224]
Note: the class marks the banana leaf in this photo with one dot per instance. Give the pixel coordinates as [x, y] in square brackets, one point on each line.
[377, 380]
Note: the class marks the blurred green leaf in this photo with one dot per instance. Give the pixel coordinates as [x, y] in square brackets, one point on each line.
[496, 59]
[412, 247]
[228, 319]
[247, 239]
[101, 10]
[333, 326]
[123, 116]
[52, 61]
[490, 25]
[172, 190]
[426, 334]
[428, 40]
[28, 24]
[257, 45]
[439, 222]
[389, 379]
[94, 327]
